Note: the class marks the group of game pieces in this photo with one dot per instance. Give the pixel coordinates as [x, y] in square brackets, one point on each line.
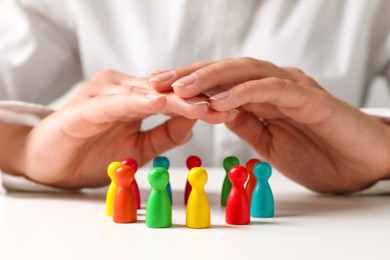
[255, 199]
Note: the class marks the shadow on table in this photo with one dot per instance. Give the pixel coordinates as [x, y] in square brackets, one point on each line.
[290, 205]
[286, 204]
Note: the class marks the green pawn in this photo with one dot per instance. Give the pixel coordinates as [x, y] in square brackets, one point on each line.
[158, 209]
[162, 161]
[228, 163]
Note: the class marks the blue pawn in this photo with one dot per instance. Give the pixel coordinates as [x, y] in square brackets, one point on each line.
[262, 205]
[162, 161]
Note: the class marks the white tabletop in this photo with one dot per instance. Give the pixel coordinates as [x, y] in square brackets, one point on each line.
[305, 226]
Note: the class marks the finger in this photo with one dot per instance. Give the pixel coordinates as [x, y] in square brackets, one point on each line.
[253, 131]
[174, 132]
[264, 110]
[93, 116]
[161, 80]
[197, 108]
[216, 117]
[305, 105]
[113, 77]
[226, 73]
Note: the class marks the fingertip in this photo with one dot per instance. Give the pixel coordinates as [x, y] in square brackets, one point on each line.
[157, 99]
[161, 80]
[232, 115]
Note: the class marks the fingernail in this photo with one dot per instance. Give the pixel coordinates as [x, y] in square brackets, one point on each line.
[236, 111]
[156, 72]
[153, 96]
[233, 114]
[221, 95]
[201, 103]
[161, 77]
[187, 80]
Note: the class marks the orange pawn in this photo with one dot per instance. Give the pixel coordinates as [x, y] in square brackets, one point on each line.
[125, 206]
[251, 183]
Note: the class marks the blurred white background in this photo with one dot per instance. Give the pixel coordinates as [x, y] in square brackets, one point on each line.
[379, 94]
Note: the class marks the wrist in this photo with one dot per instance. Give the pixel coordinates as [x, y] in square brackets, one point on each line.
[12, 143]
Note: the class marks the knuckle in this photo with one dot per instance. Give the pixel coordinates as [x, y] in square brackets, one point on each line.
[132, 88]
[252, 61]
[275, 81]
[192, 67]
[211, 69]
[294, 70]
[103, 75]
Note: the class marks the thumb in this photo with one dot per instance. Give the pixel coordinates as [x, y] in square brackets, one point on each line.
[174, 132]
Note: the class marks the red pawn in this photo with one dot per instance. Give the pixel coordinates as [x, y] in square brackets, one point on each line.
[134, 186]
[250, 185]
[125, 208]
[192, 161]
[237, 205]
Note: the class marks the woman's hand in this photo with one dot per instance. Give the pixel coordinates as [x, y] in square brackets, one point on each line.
[72, 147]
[309, 135]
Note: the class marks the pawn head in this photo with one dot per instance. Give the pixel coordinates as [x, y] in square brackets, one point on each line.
[229, 162]
[161, 161]
[132, 163]
[111, 170]
[238, 175]
[158, 178]
[262, 170]
[250, 164]
[193, 161]
[197, 177]
[125, 175]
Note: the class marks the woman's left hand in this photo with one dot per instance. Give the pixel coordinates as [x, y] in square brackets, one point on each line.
[291, 121]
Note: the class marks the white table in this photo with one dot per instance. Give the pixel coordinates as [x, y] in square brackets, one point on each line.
[306, 226]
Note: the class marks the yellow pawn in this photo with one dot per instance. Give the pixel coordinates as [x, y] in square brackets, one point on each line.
[198, 208]
[113, 189]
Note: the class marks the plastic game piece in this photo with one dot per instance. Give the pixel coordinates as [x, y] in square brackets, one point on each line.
[251, 183]
[198, 207]
[162, 161]
[125, 206]
[113, 188]
[262, 205]
[192, 161]
[227, 185]
[237, 206]
[134, 185]
[158, 208]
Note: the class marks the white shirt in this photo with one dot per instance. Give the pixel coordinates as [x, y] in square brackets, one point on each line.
[46, 46]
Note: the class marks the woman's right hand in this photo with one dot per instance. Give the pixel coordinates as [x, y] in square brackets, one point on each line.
[72, 147]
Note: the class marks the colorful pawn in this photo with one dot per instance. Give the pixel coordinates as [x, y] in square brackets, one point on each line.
[251, 183]
[134, 185]
[125, 206]
[237, 206]
[192, 161]
[198, 207]
[262, 205]
[113, 188]
[227, 164]
[162, 161]
[158, 208]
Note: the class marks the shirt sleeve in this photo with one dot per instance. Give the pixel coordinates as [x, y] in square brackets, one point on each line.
[39, 58]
